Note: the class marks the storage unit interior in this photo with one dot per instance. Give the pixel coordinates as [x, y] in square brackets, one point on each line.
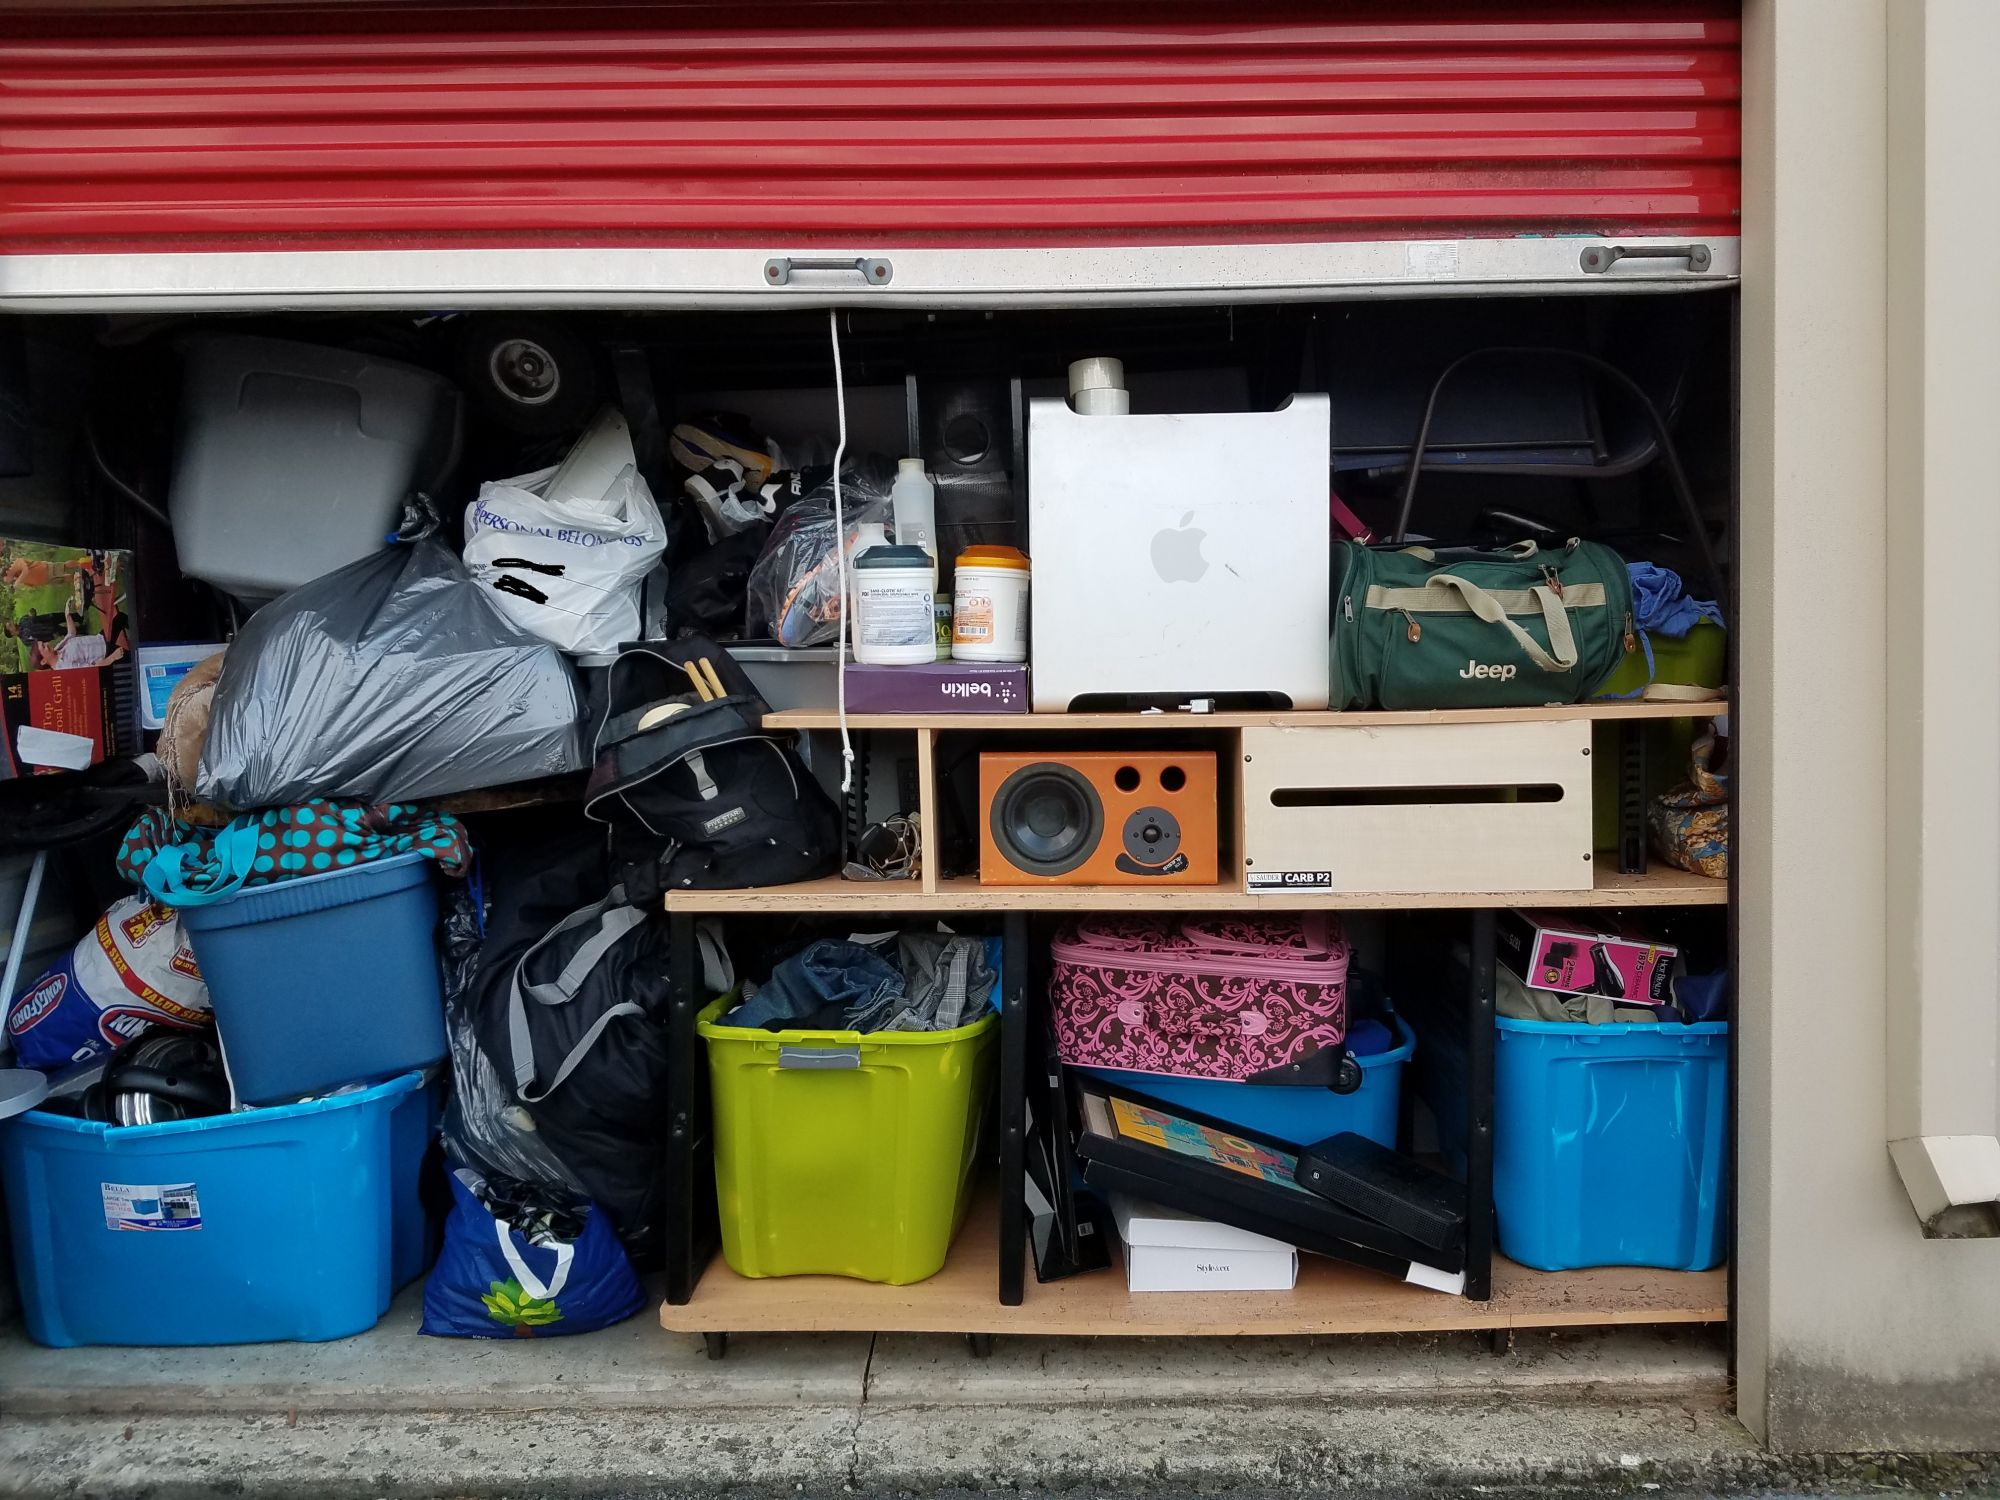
[1534, 448]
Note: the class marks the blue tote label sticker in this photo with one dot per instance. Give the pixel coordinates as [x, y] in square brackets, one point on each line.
[137, 1205]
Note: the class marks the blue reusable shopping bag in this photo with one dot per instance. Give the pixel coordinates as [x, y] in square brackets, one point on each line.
[491, 1283]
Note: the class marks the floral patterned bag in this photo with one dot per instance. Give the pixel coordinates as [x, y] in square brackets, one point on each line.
[1691, 823]
[1254, 1000]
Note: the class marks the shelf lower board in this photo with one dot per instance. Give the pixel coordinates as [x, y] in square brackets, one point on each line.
[1330, 1298]
[1660, 886]
[814, 718]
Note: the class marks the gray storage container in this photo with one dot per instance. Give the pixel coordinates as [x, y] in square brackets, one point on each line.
[791, 677]
[294, 459]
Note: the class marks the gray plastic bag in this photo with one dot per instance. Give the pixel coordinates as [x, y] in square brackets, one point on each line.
[485, 1126]
[793, 593]
[387, 680]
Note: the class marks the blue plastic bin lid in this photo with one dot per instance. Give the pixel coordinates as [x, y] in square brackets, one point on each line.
[235, 1120]
[1663, 1030]
[299, 895]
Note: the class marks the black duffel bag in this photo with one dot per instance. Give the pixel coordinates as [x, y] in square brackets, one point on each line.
[692, 786]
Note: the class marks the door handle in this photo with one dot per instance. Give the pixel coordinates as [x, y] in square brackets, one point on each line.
[874, 270]
[1597, 259]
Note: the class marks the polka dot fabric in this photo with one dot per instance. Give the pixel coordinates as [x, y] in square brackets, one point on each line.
[313, 838]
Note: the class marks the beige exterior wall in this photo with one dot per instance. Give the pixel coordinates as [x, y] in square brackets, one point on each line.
[1869, 757]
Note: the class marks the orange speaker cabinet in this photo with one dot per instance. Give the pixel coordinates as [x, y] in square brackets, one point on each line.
[1097, 817]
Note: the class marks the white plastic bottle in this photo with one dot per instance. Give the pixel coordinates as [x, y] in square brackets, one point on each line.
[892, 617]
[913, 500]
[867, 534]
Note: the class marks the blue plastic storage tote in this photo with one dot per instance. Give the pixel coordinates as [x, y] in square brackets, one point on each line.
[290, 1223]
[325, 980]
[1608, 1144]
[1300, 1116]
[414, 1235]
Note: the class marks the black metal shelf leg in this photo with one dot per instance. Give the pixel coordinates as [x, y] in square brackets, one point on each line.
[1631, 738]
[685, 1252]
[1013, 1107]
[1479, 1113]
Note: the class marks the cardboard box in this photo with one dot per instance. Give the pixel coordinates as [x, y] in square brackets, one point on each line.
[1170, 1251]
[67, 719]
[68, 691]
[939, 687]
[1579, 956]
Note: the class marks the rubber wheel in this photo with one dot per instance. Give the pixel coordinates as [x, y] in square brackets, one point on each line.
[717, 1344]
[981, 1344]
[1348, 1077]
[531, 375]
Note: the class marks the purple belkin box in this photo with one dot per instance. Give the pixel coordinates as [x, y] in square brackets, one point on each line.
[1552, 951]
[939, 687]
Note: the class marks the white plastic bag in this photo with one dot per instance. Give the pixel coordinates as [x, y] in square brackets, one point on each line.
[563, 552]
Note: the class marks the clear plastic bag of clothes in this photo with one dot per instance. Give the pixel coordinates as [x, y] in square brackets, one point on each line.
[794, 587]
[387, 680]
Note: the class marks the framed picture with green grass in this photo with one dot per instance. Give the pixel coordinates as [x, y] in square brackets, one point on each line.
[63, 606]
[67, 679]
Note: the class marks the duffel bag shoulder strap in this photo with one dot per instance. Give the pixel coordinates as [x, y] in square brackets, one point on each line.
[613, 919]
[1484, 607]
[1670, 458]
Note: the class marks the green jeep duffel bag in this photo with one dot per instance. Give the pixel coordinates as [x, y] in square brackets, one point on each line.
[1469, 629]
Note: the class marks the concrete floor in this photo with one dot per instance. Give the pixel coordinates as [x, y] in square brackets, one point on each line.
[638, 1366]
[634, 1412]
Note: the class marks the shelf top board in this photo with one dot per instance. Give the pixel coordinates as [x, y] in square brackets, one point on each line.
[1330, 1298]
[827, 719]
[1660, 886]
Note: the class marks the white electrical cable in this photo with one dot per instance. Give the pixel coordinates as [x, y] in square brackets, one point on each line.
[840, 561]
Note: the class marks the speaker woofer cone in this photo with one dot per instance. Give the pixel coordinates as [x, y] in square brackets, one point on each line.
[1047, 819]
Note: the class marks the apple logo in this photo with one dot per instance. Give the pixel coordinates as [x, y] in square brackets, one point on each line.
[1177, 552]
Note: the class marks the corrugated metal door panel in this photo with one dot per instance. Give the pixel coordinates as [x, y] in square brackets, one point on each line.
[699, 126]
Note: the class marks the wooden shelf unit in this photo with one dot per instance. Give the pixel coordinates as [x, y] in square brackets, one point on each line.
[932, 892]
[1330, 1298]
[1660, 886]
[1096, 723]
[985, 1287]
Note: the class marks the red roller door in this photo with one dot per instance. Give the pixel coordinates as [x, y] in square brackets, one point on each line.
[703, 126]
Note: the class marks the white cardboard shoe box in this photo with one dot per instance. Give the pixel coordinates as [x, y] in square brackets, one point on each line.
[1170, 1251]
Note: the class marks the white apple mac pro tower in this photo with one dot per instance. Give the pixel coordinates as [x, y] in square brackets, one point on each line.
[1179, 557]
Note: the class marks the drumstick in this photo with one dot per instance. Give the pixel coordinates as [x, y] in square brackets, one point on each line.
[714, 681]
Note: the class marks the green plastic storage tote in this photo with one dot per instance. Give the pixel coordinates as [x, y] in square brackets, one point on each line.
[844, 1154]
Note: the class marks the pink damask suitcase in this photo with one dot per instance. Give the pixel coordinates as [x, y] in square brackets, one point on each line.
[1248, 999]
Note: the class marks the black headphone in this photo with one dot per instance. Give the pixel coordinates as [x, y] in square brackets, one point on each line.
[160, 1075]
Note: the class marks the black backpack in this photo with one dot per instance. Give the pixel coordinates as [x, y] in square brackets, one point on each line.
[570, 1007]
[701, 797]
